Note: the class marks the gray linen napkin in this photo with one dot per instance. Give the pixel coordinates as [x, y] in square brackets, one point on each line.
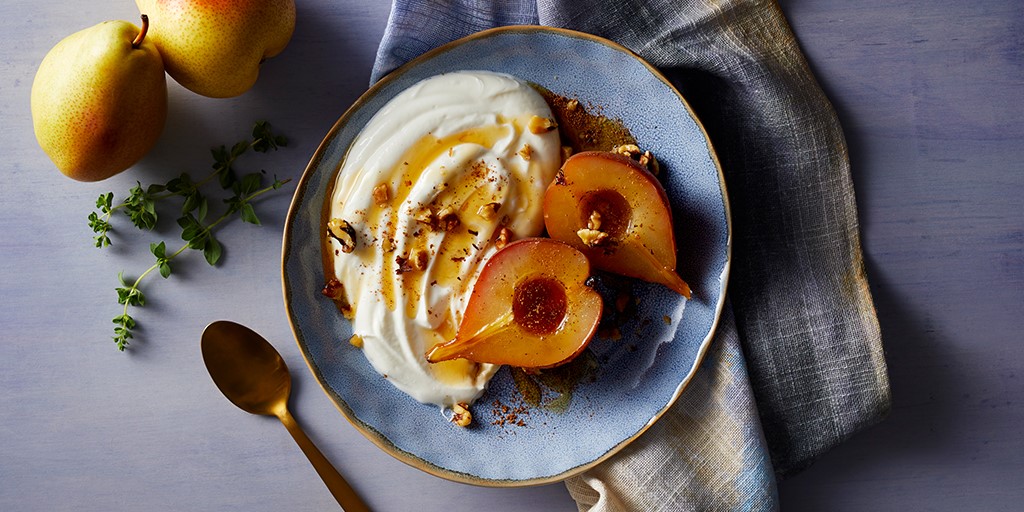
[799, 355]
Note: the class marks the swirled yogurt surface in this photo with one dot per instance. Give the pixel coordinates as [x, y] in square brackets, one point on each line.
[427, 188]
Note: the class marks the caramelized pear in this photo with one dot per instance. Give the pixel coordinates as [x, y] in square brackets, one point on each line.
[617, 213]
[529, 308]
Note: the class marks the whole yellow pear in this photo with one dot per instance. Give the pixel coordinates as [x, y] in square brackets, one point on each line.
[215, 47]
[99, 100]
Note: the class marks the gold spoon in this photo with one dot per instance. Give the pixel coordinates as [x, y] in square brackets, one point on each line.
[252, 374]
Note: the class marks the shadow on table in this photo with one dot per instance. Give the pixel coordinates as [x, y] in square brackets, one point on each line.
[922, 418]
[325, 68]
[302, 91]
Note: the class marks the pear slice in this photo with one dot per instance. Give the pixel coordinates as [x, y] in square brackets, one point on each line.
[529, 308]
[617, 213]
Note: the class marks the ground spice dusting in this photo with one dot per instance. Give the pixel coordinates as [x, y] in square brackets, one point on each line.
[583, 129]
[548, 390]
[509, 416]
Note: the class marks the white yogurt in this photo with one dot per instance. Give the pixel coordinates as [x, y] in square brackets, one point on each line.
[460, 141]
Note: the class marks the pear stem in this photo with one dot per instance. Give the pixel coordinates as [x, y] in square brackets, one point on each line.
[142, 33]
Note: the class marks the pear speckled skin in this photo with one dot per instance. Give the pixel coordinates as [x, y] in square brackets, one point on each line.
[98, 104]
[215, 47]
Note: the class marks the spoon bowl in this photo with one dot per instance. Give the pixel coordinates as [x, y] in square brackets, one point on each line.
[253, 376]
[246, 368]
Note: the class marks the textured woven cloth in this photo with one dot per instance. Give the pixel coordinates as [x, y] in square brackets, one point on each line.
[796, 366]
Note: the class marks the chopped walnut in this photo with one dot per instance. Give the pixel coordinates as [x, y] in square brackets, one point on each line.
[540, 125]
[526, 152]
[573, 104]
[381, 195]
[426, 216]
[644, 158]
[461, 415]
[647, 160]
[594, 222]
[356, 341]
[630, 150]
[447, 219]
[592, 237]
[504, 236]
[403, 264]
[420, 258]
[344, 233]
[489, 210]
[333, 290]
[388, 245]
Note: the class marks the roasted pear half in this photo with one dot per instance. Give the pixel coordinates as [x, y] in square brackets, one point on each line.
[529, 308]
[617, 213]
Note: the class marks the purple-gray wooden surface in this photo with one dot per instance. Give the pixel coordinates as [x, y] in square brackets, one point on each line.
[930, 95]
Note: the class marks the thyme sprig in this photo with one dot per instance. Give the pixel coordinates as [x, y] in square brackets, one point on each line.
[140, 203]
[140, 206]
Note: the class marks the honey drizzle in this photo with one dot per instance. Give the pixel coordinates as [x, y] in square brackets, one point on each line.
[386, 220]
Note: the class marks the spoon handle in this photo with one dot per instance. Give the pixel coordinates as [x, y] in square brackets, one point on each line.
[342, 491]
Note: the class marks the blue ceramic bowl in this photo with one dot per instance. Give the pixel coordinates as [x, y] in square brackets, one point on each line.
[629, 383]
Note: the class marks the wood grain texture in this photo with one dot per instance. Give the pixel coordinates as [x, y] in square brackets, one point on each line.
[929, 94]
[930, 97]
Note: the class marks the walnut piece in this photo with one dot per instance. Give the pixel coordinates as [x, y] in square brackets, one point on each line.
[593, 237]
[356, 341]
[426, 216]
[420, 258]
[403, 264]
[630, 150]
[461, 415]
[344, 233]
[333, 290]
[526, 152]
[489, 210]
[644, 158]
[538, 125]
[447, 219]
[504, 237]
[648, 160]
[594, 222]
[381, 195]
